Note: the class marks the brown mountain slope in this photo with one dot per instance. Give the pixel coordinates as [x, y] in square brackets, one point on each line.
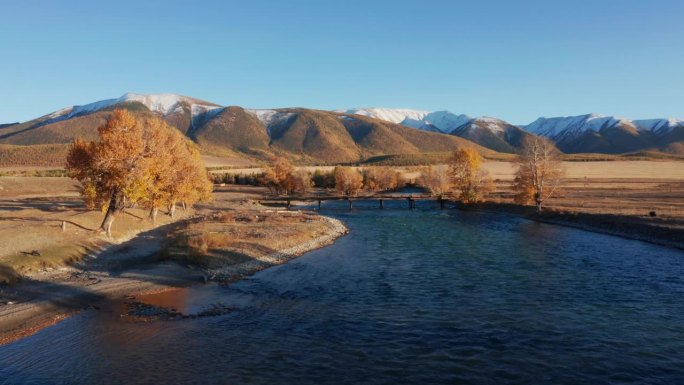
[379, 137]
[232, 130]
[494, 134]
[314, 136]
[610, 140]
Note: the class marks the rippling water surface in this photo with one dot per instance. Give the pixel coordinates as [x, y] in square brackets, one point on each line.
[407, 297]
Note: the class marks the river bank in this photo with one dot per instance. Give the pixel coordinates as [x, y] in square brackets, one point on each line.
[651, 229]
[144, 264]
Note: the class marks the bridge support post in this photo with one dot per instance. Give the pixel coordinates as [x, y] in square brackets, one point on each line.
[319, 205]
[382, 204]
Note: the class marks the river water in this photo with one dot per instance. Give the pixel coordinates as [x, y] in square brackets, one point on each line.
[422, 296]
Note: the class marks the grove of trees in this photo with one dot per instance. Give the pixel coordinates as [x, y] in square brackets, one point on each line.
[382, 178]
[462, 175]
[142, 162]
[281, 177]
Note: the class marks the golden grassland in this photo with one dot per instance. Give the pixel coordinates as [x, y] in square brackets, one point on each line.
[33, 211]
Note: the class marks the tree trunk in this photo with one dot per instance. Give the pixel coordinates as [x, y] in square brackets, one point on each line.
[116, 204]
[539, 206]
[153, 214]
[172, 209]
[185, 207]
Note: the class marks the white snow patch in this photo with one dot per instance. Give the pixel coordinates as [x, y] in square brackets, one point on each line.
[443, 121]
[492, 124]
[658, 126]
[270, 118]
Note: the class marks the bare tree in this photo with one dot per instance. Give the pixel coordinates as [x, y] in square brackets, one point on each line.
[436, 179]
[540, 171]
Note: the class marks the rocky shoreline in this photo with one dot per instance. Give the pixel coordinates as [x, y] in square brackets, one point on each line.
[232, 273]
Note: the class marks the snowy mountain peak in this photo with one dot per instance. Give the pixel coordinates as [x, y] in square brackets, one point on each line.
[494, 125]
[161, 103]
[658, 126]
[441, 121]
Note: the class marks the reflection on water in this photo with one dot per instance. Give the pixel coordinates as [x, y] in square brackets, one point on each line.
[422, 296]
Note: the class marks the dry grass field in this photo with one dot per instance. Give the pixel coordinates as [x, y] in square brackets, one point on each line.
[633, 188]
[32, 211]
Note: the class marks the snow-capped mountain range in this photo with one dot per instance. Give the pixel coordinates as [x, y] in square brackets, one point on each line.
[583, 133]
[559, 128]
[446, 121]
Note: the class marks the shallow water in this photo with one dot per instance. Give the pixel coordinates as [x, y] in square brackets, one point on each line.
[422, 296]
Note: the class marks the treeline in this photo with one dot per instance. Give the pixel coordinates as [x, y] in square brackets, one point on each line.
[282, 178]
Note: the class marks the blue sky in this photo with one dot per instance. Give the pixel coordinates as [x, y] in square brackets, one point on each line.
[515, 60]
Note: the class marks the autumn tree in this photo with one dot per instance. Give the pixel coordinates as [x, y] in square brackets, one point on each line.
[323, 179]
[278, 176]
[467, 176]
[300, 182]
[381, 179]
[348, 181]
[191, 182]
[436, 180]
[540, 172]
[135, 162]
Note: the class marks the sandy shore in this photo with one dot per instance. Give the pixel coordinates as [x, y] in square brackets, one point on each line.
[125, 269]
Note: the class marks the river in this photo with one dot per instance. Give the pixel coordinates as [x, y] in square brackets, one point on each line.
[422, 296]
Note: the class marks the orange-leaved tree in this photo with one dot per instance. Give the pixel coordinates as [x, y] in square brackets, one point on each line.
[467, 175]
[348, 180]
[131, 164]
[278, 176]
[382, 178]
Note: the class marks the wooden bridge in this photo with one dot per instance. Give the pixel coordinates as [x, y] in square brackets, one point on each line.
[409, 198]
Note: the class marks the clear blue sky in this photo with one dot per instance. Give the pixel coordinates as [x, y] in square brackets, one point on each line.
[515, 60]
